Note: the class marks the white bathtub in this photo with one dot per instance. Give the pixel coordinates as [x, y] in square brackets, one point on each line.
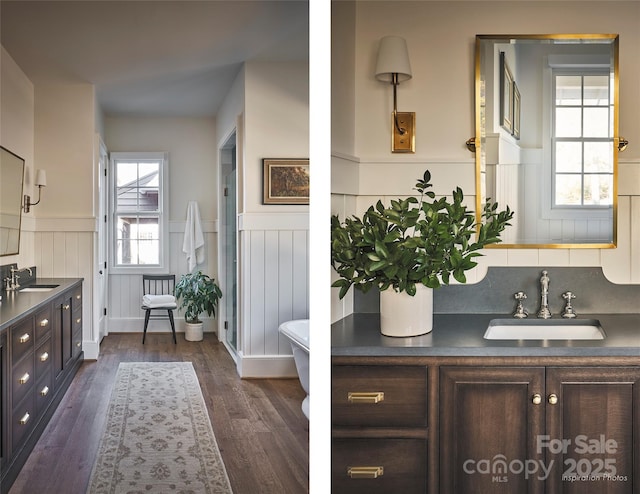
[297, 332]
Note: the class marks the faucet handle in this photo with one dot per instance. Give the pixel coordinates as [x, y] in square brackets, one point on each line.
[520, 312]
[568, 312]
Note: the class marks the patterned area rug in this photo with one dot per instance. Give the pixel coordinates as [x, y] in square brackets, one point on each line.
[158, 437]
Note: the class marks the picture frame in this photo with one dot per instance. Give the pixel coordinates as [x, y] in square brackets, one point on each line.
[516, 111]
[506, 95]
[285, 181]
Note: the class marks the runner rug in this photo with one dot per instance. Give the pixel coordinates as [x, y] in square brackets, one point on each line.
[158, 437]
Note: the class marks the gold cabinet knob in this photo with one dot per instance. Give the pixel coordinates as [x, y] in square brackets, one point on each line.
[536, 399]
[78, 320]
[553, 399]
[44, 323]
[24, 378]
[25, 337]
[44, 357]
[367, 472]
[365, 397]
[24, 419]
[66, 306]
[79, 344]
[78, 297]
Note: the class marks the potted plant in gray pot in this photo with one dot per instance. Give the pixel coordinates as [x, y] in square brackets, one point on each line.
[197, 293]
[410, 248]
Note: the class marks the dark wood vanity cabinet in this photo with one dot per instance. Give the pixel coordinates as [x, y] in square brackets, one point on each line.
[39, 355]
[571, 429]
[473, 425]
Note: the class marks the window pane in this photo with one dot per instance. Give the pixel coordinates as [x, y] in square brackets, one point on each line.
[596, 90]
[598, 190]
[568, 122]
[569, 157]
[596, 122]
[137, 240]
[568, 190]
[568, 90]
[137, 186]
[598, 157]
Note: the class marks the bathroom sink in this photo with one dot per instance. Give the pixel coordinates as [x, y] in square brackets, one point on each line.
[38, 288]
[544, 329]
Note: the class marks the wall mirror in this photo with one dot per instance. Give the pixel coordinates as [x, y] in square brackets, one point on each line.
[11, 173]
[547, 138]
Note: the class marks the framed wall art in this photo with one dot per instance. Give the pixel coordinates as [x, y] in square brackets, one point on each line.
[286, 181]
[506, 95]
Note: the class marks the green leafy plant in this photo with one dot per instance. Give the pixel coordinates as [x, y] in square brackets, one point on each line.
[198, 293]
[414, 241]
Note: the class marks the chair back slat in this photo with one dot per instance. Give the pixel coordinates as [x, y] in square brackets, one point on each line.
[158, 284]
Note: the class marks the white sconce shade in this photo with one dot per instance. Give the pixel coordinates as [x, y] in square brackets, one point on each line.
[393, 58]
[41, 178]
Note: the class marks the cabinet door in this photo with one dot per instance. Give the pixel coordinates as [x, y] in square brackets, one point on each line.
[489, 418]
[63, 328]
[591, 429]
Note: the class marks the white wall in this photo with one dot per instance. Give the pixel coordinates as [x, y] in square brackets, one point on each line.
[440, 38]
[191, 146]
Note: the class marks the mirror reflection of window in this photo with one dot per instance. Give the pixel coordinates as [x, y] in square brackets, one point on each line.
[582, 138]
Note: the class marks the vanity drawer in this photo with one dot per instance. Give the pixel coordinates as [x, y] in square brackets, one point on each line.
[43, 323]
[76, 342]
[22, 378]
[21, 339]
[43, 358]
[22, 420]
[384, 396]
[398, 465]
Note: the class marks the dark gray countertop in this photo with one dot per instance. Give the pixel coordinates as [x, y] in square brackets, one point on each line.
[460, 335]
[16, 304]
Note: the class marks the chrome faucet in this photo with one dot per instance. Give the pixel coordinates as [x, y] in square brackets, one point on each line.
[544, 312]
[11, 282]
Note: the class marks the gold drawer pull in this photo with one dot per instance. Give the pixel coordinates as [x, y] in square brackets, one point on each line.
[24, 378]
[44, 323]
[66, 307]
[78, 320]
[373, 397]
[44, 391]
[24, 419]
[365, 472]
[44, 357]
[25, 337]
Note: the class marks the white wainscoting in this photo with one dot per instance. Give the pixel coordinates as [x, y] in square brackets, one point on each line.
[274, 288]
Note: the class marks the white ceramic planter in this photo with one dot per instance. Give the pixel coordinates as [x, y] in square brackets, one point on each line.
[402, 315]
[193, 332]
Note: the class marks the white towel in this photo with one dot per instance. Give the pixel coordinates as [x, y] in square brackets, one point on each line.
[155, 301]
[193, 243]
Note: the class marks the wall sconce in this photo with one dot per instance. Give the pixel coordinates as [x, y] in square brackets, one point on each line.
[41, 181]
[393, 67]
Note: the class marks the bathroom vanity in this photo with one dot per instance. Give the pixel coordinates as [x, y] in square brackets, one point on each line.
[453, 412]
[40, 352]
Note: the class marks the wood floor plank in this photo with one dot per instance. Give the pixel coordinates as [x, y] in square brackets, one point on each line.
[261, 431]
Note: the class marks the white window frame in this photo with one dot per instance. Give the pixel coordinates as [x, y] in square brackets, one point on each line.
[163, 213]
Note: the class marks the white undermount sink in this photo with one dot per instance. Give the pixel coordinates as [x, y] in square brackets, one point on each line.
[38, 288]
[544, 329]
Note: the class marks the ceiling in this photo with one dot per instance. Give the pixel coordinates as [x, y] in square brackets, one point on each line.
[152, 57]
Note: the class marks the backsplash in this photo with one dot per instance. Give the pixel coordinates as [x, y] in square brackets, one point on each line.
[494, 294]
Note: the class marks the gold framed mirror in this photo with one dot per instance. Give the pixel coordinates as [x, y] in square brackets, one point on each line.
[547, 142]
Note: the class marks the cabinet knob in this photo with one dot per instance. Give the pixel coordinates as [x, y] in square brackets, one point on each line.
[24, 378]
[25, 337]
[79, 344]
[536, 399]
[78, 297]
[44, 357]
[365, 397]
[78, 320]
[24, 419]
[553, 399]
[44, 323]
[365, 472]
[66, 306]
[44, 391]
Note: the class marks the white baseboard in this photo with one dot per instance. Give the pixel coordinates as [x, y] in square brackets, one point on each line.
[266, 366]
[91, 350]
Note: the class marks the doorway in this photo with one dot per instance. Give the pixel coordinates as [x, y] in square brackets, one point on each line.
[101, 275]
[228, 244]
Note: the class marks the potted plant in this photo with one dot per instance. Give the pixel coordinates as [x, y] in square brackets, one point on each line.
[197, 293]
[410, 248]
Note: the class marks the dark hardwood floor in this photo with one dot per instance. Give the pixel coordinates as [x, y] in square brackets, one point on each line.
[261, 431]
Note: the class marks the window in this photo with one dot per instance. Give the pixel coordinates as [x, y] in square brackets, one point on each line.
[139, 226]
[582, 139]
